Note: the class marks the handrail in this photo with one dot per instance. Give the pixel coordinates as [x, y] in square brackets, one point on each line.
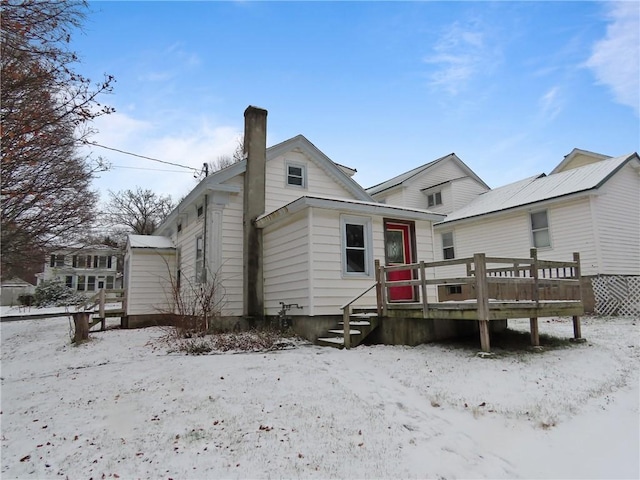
[346, 316]
[358, 297]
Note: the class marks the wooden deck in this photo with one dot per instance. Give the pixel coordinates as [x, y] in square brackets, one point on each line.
[494, 289]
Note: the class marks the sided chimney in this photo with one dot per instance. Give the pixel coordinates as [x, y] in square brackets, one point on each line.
[255, 149]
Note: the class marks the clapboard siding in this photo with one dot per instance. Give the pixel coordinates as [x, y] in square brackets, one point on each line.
[149, 283]
[442, 172]
[285, 265]
[463, 191]
[278, 193]
[231, 268]
[617, 211]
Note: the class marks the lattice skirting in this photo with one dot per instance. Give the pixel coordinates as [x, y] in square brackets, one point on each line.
[617, 295]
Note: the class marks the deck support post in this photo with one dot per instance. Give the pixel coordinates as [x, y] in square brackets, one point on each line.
[535, 337]
[346, 317]
[577, 333]
[482, 299]
[383, 290]
[378, 288]
[423, 287]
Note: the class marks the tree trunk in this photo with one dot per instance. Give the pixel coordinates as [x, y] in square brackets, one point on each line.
[81, 321]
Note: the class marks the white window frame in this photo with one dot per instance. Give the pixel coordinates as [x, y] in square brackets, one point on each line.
[452, 246]
[534, 231]
[368, 245]
[303, 174]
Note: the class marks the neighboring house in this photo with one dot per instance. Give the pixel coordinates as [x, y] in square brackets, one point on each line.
[590, 203]
[442, 186]
[85, 269]
[12, 289]
[284, 226]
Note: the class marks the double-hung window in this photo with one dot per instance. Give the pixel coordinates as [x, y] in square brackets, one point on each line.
[296, 175]
[540, 229]
[200, 272]
[448, 251]
[434, 199]
[57, 261]
[356, 246]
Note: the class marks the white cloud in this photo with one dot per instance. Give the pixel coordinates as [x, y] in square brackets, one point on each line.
[551, 103]
[460, 54]
[615, 60]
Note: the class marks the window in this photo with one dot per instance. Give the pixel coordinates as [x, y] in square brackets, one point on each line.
[57, 260]
[296, 175]
[88, 261]
[81, 281]
[434, 199]
[68, 281]
[200, 272]
[540, 229]
[178, 268]
[179, 227]
[110, 283]
[447, 246]
[454, 289]
[356, 241]
[91, 283]
[200, 211]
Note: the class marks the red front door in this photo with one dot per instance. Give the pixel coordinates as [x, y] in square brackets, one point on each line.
[398, 252]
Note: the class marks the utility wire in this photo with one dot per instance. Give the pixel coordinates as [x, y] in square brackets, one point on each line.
[142, 156]
[149, 169]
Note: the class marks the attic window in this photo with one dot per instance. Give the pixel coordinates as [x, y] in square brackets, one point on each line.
[179, 227]
[434, 199]
[296, 175]
[200, 211]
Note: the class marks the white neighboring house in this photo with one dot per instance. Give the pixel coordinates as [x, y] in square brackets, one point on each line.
[285, 226]
[86, 269]
[590, 203]
[12, 289]
[441, 186]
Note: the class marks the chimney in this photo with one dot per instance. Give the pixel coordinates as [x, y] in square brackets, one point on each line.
[255, 149]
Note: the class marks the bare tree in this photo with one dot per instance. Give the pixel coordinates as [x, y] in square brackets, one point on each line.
[140, 211]
[224, 161]
[45, 112]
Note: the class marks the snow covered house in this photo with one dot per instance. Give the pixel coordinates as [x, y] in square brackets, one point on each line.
[284, 227]
[589, 203]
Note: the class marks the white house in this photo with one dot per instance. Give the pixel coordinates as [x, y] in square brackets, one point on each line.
[442, 186]
[284, 226]
[85, 269]
[589, 204]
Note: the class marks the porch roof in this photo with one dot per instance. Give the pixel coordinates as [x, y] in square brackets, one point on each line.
[348, 206]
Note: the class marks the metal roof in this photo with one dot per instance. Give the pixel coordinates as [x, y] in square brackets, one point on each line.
[150, 241]
[540, 188]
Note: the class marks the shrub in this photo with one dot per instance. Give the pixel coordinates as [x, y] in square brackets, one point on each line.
[54, 293]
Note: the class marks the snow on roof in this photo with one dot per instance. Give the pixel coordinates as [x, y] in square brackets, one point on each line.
[150, 241]
[539, 188]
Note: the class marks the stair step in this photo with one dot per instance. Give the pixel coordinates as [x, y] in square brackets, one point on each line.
[341, 332]
[361, 323]
[363, 315]
[336, 340]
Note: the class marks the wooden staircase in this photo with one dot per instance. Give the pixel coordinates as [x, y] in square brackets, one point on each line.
[361, 323]
[96, 307]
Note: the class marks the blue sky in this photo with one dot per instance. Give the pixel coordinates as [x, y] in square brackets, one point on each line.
[382, 87]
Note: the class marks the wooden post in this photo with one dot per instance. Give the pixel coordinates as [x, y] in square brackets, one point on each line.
[482, 299]
[346, 317]
[383, 290]
[81, 323]
[423, 287]
[378, 288]
[102, 300]
[535, 337]
[535, 294]
[577, 333]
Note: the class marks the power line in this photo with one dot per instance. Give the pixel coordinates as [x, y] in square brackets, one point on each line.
[151, 169]
[142, 156]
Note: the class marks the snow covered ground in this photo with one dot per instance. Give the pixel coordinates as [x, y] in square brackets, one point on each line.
[120, 406]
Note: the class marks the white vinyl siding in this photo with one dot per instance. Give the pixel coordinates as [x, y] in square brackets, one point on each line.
[318, 182]
[414, 195]
[463, 191]
[617, 215]
[286, 264]
[149, 282]
[231, 269]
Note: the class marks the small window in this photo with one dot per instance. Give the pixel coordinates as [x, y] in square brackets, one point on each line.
[434, 199]
[91, 283]
[88, 263]
[356, 241]
[454, 289]
[57, 261]
[200, 211]
[179, 227]
[448, 252]
[296, 175]
[200, 271]
[110, 283]
[540, 229]
[81, 279]
[68, 281]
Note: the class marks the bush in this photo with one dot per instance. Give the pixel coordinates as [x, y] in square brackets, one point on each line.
[54, 293]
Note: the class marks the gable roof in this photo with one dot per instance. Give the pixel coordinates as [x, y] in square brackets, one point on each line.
[576, 152]
[403, 177]
[540, 188]
[215, 181]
